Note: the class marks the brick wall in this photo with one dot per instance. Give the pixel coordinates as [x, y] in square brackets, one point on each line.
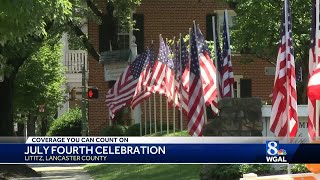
[97, 113]
[168, 18]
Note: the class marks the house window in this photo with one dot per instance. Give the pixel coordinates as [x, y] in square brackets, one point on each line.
[242, 88]
[246, 88]
[237, 85]
[139, 31]
[219, 18]
[123, 40]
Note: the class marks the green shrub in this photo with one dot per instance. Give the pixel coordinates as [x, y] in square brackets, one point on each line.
[260, 169]
[299, 168]
[134, 130]
[232, 171]
[114, 130]
[220, 172]
[69, 124]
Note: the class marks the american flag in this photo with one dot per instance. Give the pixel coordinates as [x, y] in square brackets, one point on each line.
[196, 101]
[284, 119]
[177, 74]
[208, 73]
[120, 95]
[185, 72]
[141, 92]
[156, 81]
[166, 57]
[227, 78]
[312, 67]
[219, 61]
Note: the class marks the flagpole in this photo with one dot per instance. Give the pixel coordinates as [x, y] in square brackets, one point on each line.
[145, 118]
[316, 64]
[288, 89]
[161, 113]
[216, 54]
[228, 35]
[180, 85]
[160, 102]
[204, 106]
[167, 107]
[174, 97]
[154, 108]
[150, 117]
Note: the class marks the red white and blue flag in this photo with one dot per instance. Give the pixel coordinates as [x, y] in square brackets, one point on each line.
[312, 70]
[208, 73]
[121, 94]
[227, 78]
[196, 103]
[141, 92]
[284, 119]
[155, 83]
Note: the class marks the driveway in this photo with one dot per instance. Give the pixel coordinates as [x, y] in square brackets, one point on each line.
[60, 171]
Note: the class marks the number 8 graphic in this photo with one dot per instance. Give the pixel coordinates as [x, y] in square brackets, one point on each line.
[272, 148]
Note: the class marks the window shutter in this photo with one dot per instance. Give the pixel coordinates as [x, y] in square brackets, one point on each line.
[209, 35]
[139, 34]
[245, 88]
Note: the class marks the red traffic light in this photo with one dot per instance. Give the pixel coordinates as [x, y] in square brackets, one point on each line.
[93, 93]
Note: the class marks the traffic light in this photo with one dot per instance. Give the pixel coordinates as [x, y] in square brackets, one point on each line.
[93, 93]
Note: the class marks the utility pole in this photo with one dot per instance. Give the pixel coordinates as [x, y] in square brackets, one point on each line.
[84, 102]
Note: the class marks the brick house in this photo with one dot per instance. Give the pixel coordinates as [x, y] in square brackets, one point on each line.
[169, 18]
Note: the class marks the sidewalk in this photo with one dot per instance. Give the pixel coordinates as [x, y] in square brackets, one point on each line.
[60, 171]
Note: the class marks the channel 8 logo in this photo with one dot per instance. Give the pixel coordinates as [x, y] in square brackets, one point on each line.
[272, 148]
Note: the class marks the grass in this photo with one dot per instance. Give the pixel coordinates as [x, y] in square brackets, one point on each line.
[143, 171]
[171, 133]
[146, 171]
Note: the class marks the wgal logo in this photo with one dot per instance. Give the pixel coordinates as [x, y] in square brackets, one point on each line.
[273, 153]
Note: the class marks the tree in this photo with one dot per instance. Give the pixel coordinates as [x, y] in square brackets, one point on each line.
[257, 32]
[25, 25]
[38, 84]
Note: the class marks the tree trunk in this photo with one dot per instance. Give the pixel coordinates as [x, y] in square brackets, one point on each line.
[6, 106]
[44, 126]
[21, 128]
[31, 125]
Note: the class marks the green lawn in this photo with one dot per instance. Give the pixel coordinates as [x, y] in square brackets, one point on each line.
[144, 171]
[171, 133]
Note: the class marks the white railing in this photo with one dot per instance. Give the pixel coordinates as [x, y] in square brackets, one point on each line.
[74, 59]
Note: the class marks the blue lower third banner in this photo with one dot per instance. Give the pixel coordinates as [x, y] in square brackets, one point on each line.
[269, 152]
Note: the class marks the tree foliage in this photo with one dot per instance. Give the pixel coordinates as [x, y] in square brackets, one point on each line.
[27, 24]
[39, 81]
[257, 31]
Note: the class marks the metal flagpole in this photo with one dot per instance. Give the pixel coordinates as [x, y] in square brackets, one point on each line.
[288, 89]
[145, 118]
[204, 106]
[161, 113]
[216, 55]
[174, 94]
[317, 62]
[155, 113]
[154, 108]
[167, 117]
[150, 118]
[180, 85]
[167, 103]
[229, 49]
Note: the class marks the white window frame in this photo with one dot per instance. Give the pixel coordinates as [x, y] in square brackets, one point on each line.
[237, 79]
[231, 19]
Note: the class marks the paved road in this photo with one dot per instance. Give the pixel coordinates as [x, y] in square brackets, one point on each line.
[60, 171]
